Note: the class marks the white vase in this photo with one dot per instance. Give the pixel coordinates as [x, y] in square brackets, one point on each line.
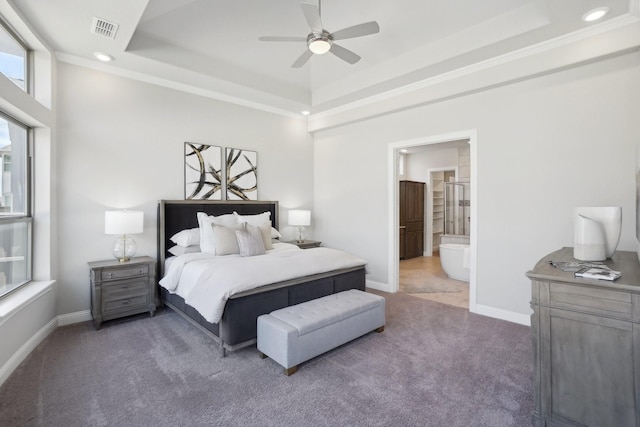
[596, 232]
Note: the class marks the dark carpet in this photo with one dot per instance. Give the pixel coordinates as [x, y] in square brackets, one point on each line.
[434, 365]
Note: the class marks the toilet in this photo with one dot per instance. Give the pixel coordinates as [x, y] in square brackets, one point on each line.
[454, 258]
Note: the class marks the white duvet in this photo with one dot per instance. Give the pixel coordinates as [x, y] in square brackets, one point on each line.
[207, 281]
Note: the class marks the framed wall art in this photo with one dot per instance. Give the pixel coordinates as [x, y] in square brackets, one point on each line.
[202, 172]
[241, 167]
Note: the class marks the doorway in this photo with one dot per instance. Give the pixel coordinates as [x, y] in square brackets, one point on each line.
[423, 276]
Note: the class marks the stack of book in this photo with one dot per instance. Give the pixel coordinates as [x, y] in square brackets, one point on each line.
[597, 273]
[588, 270]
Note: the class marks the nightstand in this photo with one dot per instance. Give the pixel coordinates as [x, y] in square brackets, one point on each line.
[306, 244]
[121, 289]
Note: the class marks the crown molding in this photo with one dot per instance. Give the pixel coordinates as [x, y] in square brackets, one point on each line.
[561, 41]
[173, 84]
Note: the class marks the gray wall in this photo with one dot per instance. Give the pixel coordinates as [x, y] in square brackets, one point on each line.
[544, 146]
[121, 145]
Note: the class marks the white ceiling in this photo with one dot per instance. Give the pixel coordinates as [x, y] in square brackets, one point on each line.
[211, 47]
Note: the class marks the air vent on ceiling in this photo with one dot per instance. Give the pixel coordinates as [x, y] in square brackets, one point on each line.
[104, 28]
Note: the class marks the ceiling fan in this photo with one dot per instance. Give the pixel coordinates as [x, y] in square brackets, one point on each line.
[321, 41]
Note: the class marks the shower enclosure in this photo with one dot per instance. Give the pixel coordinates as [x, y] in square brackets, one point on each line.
[457, 208]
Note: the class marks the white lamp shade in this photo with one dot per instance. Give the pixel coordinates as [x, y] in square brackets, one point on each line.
[299, 217]
[123, 222]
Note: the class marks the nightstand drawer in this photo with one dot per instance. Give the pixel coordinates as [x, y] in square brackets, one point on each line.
[126, 272]
[125, 304]
[125, 289]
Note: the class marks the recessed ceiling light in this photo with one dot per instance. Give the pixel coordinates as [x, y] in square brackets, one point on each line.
[306, 112]
[101, 56]
[404, 150]
[595, 14]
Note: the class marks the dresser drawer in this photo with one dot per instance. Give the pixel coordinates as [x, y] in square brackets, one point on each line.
[125, 288]
[125, 304]
[589, 299]
[126, 272]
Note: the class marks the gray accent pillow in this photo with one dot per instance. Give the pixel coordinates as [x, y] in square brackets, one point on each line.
[225, 238]
[250, 241]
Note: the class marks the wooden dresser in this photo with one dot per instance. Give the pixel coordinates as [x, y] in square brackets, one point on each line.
[411, 219]
[121, 289]
[586, 343]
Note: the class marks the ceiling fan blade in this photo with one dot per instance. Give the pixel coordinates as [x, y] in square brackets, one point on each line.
[344, 54]
[302, 59]
[312, 15]
[356, 31]
[282, 39]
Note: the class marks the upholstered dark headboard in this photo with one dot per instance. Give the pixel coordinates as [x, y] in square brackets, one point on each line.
[177, 215]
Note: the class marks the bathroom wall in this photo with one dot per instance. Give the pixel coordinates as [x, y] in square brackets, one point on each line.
[416, 167]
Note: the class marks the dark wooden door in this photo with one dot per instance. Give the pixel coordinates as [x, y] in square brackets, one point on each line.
[412, 219]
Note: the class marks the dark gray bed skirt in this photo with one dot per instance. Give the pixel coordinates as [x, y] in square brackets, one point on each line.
[237, 328]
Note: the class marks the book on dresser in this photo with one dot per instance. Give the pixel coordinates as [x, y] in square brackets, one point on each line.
[598, 273]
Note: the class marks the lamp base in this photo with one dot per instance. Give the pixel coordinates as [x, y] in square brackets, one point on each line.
[124, 248]
[300, 234]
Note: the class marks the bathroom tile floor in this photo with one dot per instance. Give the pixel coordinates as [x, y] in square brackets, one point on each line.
[423, 277]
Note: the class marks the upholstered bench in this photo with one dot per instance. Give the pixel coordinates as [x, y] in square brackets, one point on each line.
[295, 334]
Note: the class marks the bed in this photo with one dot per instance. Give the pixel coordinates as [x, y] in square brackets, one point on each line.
[236, 327]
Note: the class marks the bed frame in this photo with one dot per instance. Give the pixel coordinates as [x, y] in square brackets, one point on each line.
[237, 328]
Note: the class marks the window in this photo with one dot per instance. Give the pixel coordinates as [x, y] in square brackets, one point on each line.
[15, 215]
[13, 57]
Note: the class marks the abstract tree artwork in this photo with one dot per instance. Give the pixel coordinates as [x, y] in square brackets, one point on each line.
[242, 174]
[202, 172]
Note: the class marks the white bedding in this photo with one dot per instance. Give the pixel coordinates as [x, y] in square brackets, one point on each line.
[207, 281]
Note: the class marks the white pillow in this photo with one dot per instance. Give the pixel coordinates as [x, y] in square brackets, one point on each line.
[205, 222]
[275, 234]
[257, 220]
[181, 250]
[226, 241]
[250, 241]
[265, 232]
[187, 237]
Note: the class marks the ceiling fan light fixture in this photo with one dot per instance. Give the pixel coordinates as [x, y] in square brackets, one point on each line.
[319, 44]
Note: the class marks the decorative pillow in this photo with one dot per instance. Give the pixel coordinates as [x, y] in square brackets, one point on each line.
[226, 241]
[253, 219]
[265, 232]
[187, 237]
[205, 222]
[178, 250]
[258, 220]
[275, 234]
[250, 241]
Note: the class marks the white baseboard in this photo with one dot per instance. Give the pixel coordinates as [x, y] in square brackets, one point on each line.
[66, 319]
[497, 313]
[77, 317]
[378, 286]
[7, 369]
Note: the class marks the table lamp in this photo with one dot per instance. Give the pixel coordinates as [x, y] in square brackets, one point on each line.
[124, 223]
[300, 218]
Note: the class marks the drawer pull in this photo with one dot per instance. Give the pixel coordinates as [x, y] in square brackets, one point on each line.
[109, 275]
[125, 302]
[126, 286]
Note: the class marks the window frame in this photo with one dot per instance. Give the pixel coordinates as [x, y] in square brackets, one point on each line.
[27, 216]
[28, 55]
